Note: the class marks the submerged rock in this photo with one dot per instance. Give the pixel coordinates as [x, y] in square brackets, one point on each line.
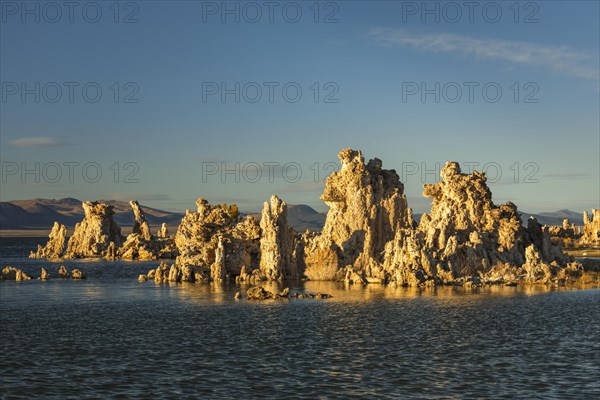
[77, 274]
[14, 274]
[260, 293]
[63, 272]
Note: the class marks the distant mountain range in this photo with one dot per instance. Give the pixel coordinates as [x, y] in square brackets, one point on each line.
[302, 218]
[42, 213]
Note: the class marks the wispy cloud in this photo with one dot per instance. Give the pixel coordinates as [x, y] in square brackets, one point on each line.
[561, 59]
[38, 141]
[567, 175]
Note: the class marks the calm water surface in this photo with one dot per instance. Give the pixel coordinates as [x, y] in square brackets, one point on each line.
[110, 336]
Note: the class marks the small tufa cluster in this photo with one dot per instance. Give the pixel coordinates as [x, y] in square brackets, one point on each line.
[98, 236]
[17, 274]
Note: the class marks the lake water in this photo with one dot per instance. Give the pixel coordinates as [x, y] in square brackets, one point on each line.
[110, 336]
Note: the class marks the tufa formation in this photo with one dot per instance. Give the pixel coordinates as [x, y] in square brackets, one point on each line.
[369, 236]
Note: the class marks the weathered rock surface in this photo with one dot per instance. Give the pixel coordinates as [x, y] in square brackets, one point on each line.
[260, 293]
[369, 237]
[591, 229]
[217, 269]
[44, 275]
[140, 225]
[56, 243]
[77, 274]
[464, 239]
[141, 245]
[466, 234]
[14, 274]
[163, 232]
[367, 208]
[277, 242]
[202, 232]
[565, 235]
[63, 272]
[93, 236]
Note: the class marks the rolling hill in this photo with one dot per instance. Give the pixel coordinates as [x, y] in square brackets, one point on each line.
[41, 214]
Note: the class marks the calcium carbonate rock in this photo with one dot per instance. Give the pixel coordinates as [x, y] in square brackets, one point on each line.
[565, 235]
[276, 242]
[260, 293]
[163, 232]
[466, 235]
[140, 226]
[44, 275]
[77, 274]
[137, 248]
[14, 274]
[174, 274]
[370, 237]
[63, 272]
[217, 269]
[464, 229]
[160, 273]
[367, 206]
[93, 236]
[21, 276]
[56, 243]
[591, 229]
[201, 233]
[141, 245]
[321, 258]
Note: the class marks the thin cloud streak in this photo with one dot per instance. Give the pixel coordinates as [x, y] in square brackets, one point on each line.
[561, 59]
[38, 141]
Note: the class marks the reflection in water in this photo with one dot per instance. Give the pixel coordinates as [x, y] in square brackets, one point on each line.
[215, 293]
[121, 338]
[116, 337]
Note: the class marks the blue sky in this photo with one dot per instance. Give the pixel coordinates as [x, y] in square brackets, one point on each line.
[172, 131]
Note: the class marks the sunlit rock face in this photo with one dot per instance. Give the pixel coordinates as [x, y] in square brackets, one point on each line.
[96, 235]
[466, 234]
[367, 206]
[200, 233]
[277, 242]
[369, 236]
[464, 228]
[141, 245]
[591, 229]
[140, 225]
[56, 243]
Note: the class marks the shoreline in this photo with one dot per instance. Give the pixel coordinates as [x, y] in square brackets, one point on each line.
[43, 232]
